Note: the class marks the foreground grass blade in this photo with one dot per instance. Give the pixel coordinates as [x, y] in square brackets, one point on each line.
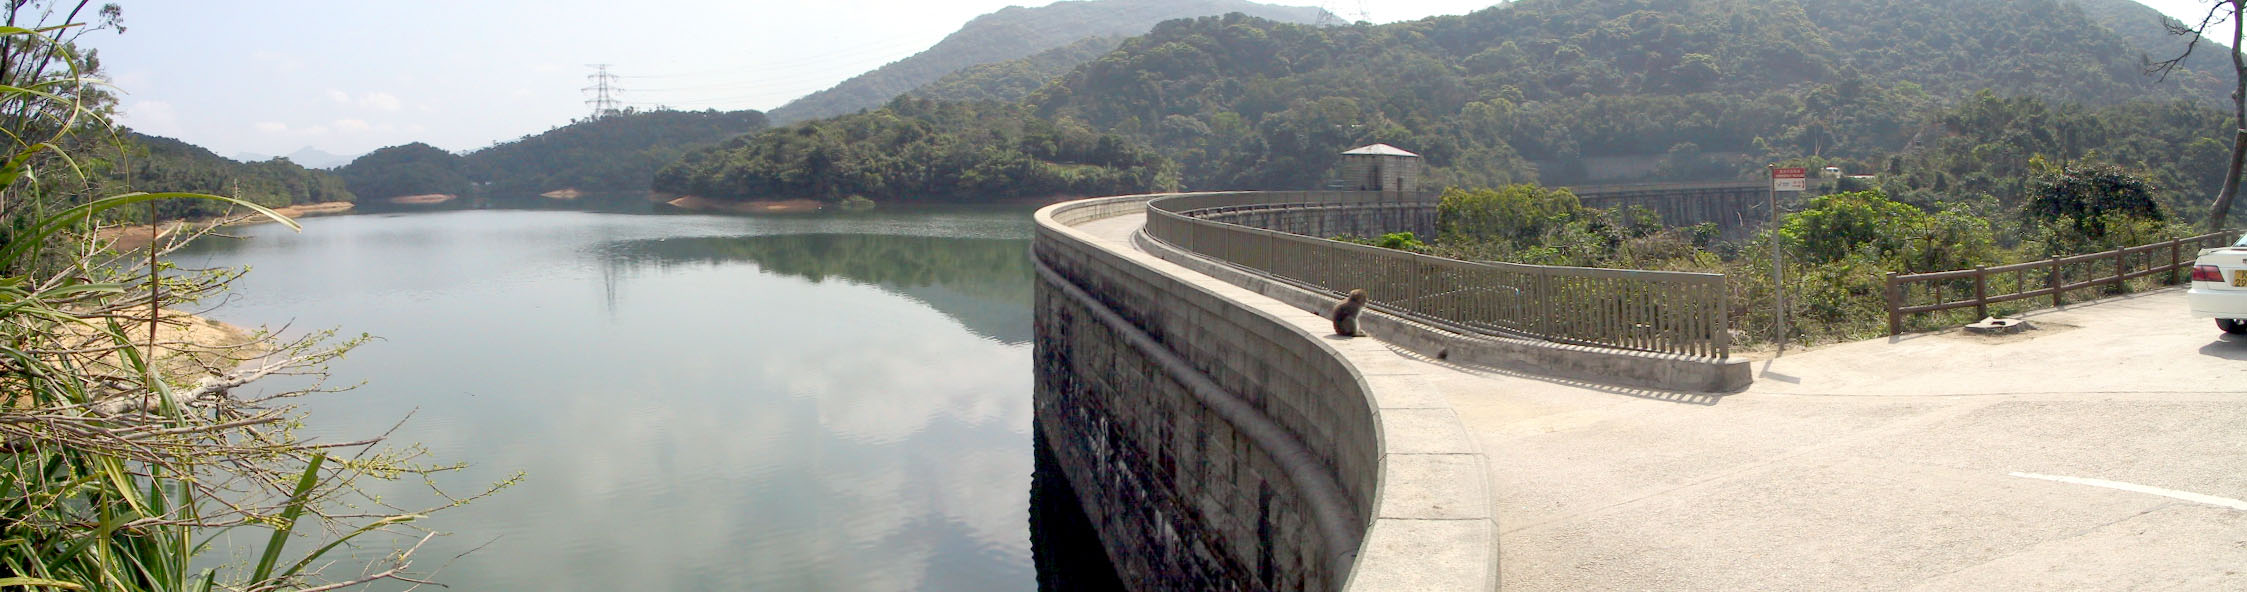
[29, 582]
[297, 501]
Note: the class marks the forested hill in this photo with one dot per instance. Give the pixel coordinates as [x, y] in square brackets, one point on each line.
[1016, 32]
[919, 150]
[2141, 26]
[173, 165]
[1014, 80]
[619, 152]
[2089, 51]
[1571, 91]
[400, 171]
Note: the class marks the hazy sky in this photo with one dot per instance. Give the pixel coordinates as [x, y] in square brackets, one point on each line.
[273, 76]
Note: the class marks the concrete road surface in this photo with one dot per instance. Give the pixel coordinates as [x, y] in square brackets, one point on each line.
[2105, 451]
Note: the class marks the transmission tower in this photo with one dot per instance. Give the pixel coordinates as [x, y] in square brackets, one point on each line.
[607, 95]
[1329, 14]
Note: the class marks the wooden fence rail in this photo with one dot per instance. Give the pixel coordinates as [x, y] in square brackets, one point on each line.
[2052, 278]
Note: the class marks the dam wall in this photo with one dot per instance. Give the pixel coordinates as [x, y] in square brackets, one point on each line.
[1219, 441]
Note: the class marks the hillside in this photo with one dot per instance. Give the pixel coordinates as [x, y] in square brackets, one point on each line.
[917, 150]
[617, 153]
[1012, 33]
[173, 165]
[1599, 90]
[2141, 27]
[408, 170]
[1014, 80]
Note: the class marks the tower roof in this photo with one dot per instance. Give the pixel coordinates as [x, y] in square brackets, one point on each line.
[1380, 150]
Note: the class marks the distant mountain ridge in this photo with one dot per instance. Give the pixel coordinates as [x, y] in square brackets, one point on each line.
[1016, 32]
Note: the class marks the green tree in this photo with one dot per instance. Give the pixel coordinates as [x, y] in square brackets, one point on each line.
[2087, 201]
[1900, 236]
[1518, 214]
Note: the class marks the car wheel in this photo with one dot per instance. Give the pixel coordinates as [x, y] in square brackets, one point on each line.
[2232, 326]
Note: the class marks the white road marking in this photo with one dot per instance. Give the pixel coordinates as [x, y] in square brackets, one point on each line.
[2224, 502]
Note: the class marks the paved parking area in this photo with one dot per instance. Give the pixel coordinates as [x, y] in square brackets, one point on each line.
[2106, 450]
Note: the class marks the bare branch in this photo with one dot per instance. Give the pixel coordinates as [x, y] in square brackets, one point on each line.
[398, 567]
[2214, 17]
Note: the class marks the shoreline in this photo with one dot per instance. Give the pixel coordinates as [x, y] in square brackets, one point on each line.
[422, 199]
[136, 236]
[187, 341]
[697, 203]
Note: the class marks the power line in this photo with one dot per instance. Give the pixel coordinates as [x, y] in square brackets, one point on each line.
[607, 95]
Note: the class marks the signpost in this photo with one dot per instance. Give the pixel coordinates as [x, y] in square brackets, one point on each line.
[1787, 179]
[1791, 179]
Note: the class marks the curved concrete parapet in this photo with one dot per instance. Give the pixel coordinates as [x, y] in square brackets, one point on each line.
[1574, 362]
[1219, 439]
[1301, 217]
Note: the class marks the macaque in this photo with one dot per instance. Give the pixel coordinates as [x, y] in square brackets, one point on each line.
[1346, 313]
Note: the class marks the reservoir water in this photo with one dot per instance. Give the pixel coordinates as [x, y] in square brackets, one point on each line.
[693, 402]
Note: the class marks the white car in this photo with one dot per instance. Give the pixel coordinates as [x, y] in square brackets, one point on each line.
[2219, 286]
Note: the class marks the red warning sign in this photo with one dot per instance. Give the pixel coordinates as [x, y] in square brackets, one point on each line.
[1790, 179]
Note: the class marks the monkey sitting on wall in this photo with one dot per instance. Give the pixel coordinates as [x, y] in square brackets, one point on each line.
[1345, 313]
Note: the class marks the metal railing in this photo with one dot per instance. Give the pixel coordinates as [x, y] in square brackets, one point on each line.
[1651, 311]
[1981, 287]
[1635, 189]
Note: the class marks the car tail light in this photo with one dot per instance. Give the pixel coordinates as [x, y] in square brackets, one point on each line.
[2207, 273]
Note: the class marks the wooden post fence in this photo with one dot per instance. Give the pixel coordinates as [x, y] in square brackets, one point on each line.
[2056, 283]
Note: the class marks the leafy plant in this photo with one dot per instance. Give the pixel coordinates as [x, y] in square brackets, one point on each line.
[2077, 207]
[1402, 241]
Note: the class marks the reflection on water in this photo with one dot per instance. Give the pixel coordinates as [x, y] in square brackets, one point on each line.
[696, 402]
[1062, 539]
[982, 283]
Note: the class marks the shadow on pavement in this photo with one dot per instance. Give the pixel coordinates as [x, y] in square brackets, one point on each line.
[1685, 397]
[2227, 346]
[1766, 373]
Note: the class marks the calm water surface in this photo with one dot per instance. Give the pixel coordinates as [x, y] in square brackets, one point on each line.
[696, 403]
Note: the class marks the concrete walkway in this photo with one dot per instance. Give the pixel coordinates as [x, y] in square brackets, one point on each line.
[2078, 456]
[2105, 451]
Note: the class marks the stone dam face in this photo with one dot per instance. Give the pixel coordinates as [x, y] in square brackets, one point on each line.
[1220, 446]
[1183, 496]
